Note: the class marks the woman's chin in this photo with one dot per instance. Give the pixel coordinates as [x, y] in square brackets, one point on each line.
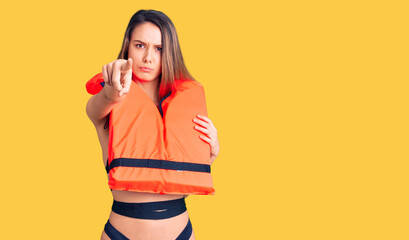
[142, 78]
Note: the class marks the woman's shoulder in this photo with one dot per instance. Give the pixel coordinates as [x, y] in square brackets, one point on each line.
[95, 84]
[182, 85]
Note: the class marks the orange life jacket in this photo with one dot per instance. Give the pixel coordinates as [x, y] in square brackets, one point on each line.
[158, 150]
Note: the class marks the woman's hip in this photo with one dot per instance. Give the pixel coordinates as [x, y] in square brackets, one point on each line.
[156, 220]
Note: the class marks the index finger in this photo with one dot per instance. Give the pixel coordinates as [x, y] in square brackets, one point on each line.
[127, 66]
[206, 119]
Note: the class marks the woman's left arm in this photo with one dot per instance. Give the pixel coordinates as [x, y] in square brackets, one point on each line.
[206, 126]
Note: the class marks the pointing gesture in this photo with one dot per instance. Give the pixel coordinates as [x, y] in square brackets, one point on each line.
[117, 77]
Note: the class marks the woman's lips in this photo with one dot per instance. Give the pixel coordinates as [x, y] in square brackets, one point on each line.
[145, 69]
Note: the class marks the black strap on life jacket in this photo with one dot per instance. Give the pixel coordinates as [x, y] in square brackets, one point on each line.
[156, 163]
[107, 166]
[160, 103]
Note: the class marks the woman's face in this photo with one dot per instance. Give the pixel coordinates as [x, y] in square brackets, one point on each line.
[145, 50]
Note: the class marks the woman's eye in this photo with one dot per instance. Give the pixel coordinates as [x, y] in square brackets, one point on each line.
[138, 45]
[159, 48]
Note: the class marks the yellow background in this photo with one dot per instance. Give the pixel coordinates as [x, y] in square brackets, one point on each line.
[310, 99]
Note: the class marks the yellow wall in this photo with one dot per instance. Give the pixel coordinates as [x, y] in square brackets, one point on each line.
[310, 99]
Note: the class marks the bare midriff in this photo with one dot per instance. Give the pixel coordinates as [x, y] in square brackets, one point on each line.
[128, 196]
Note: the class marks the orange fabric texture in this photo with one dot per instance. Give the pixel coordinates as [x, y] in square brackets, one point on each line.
[137, 130]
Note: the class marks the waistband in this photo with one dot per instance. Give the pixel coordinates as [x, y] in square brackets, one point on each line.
[150, 210]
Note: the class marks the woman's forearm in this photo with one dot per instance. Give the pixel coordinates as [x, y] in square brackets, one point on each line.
[99, 106]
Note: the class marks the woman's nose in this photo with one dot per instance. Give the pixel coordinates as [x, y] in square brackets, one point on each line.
[147, 57]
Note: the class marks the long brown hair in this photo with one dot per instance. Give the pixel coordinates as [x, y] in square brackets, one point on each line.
[173, 66]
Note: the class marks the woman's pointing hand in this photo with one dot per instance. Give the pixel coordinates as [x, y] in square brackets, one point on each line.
[117, 77]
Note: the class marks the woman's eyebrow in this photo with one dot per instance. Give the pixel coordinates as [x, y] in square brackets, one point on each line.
[145, 43]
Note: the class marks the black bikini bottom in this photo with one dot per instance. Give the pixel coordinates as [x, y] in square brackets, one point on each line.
[150, 210]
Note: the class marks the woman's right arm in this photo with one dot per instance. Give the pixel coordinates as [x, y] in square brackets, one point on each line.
[98, 107]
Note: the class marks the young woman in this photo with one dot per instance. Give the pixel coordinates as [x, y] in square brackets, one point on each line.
[151, 58]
